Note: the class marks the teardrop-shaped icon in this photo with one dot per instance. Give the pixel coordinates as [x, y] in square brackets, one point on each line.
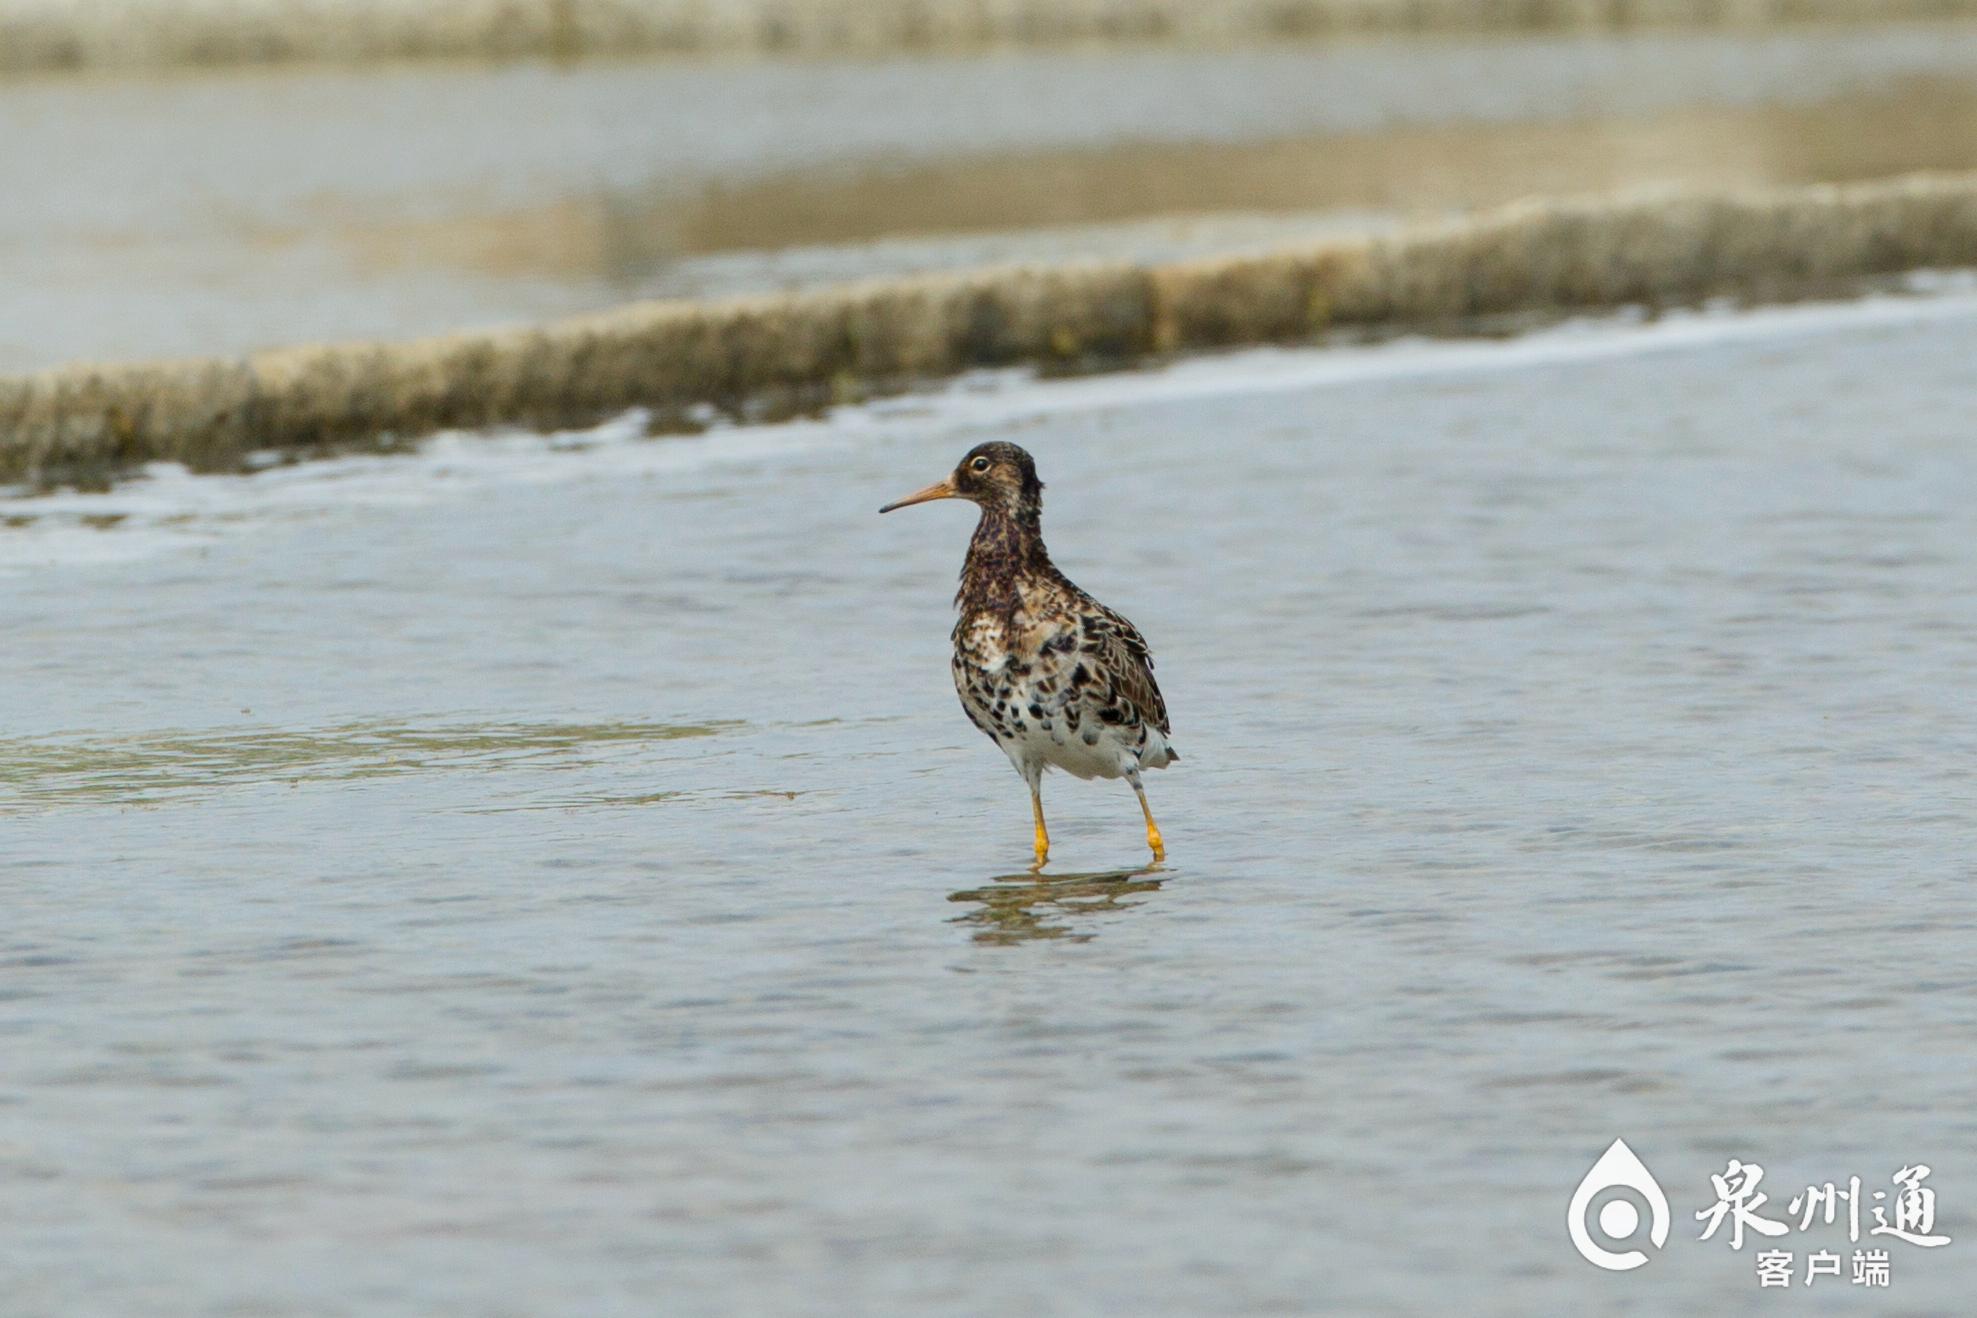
[1617, 1167]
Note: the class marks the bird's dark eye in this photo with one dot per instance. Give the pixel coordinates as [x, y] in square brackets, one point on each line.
[980, 464]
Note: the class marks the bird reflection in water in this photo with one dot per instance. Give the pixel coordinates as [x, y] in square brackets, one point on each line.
[1015, 908]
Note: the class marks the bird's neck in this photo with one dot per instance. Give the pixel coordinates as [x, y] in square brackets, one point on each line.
[1007, 547]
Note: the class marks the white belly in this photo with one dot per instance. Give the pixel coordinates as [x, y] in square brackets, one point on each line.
[1105, 756]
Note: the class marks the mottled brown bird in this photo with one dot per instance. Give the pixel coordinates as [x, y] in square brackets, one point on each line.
[1056, 678]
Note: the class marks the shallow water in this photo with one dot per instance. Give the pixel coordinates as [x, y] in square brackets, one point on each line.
[222, 212]
[524, 878]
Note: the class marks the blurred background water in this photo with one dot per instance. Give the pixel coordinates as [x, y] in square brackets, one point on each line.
[552, 875]
[216, 212]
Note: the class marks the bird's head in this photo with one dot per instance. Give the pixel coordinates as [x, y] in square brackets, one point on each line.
[999, 476]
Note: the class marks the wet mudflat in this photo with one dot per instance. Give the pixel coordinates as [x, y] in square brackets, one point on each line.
[554, 875]
[219, 213]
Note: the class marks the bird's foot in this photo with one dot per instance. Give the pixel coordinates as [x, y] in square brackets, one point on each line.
[1153, 840]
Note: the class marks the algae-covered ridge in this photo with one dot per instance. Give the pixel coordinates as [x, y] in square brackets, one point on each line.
[764, 355]
[44, 35]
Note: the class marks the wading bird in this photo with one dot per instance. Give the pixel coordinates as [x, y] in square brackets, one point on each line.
[1055, 677]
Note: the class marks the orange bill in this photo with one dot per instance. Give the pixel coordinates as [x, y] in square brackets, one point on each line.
[943, 489]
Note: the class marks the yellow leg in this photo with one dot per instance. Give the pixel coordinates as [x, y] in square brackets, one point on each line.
[1152, 829]
[1043, 834]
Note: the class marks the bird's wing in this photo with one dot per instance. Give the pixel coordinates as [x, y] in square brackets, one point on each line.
[1120, 651]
